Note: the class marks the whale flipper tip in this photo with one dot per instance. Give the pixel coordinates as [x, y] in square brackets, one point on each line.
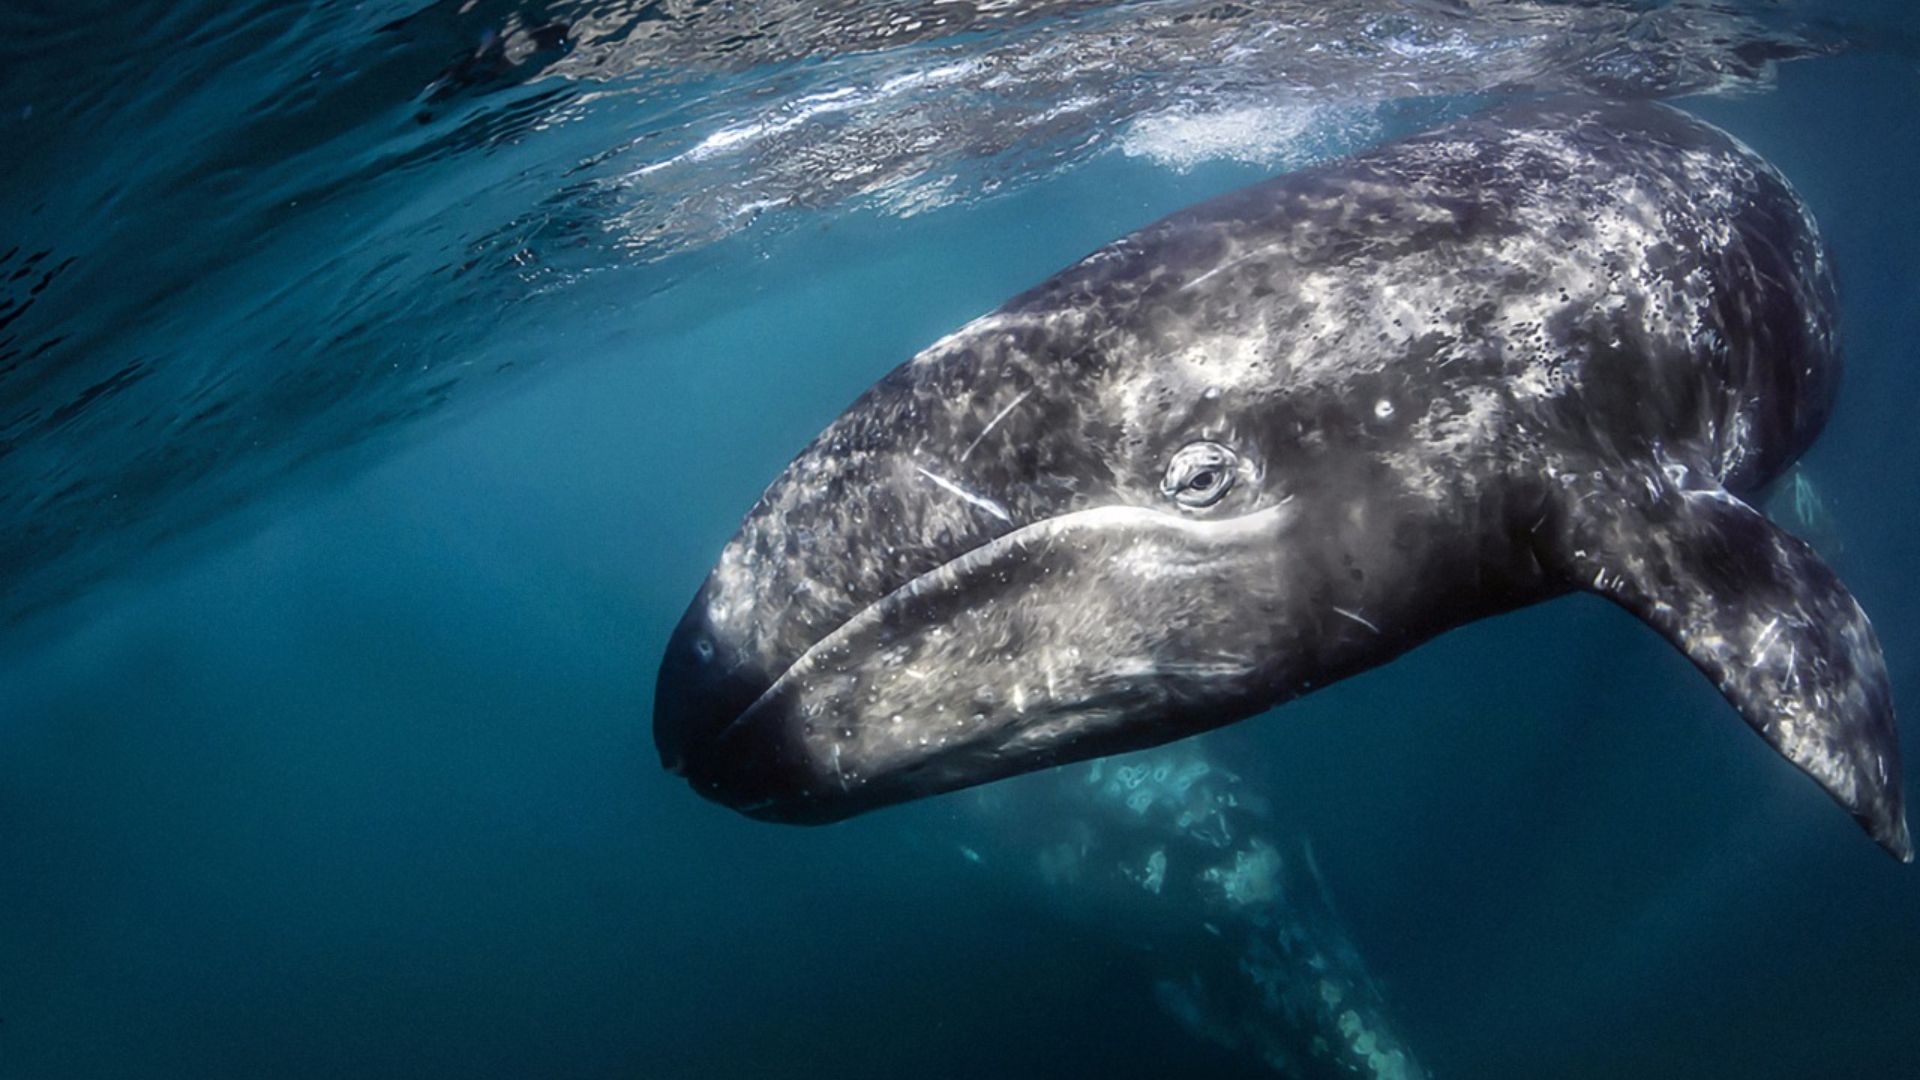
[1899, 842]
[1759, 613]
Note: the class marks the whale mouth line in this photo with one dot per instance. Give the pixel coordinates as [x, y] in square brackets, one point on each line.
[1104, 520]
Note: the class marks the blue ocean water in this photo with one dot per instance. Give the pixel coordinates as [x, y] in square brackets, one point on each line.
[377, 382]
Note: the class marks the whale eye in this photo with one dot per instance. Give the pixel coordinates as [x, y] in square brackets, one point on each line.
[1200, 474]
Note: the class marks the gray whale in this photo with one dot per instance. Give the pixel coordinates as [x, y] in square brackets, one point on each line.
[1280, 438]
[1192, 876]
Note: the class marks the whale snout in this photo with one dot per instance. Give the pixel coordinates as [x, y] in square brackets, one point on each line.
[703, 689]
[1088, 633]
[695, 696]
[713, 726]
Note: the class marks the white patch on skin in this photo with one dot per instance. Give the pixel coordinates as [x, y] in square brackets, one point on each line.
[1440, 462]
[1237, 358]
[1539, 380]
[1252, 879]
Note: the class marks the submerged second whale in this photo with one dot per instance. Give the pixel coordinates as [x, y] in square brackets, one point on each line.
[1286, 435]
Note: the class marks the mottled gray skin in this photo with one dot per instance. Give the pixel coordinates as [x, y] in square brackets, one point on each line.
[1181, 863]
[1544, 349]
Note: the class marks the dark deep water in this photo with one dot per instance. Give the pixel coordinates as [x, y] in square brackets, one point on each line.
[377, 382]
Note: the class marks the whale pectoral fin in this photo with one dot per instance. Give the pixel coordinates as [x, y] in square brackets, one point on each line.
[1760, 613]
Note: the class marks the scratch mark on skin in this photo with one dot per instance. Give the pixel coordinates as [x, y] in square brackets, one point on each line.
[993, 423]
[1243, 257]
[988, 505]
[1357, 617]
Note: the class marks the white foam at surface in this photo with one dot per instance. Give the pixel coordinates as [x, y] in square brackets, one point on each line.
[1277, 135]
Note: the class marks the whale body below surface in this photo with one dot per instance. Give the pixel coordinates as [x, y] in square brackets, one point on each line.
[1286, 435]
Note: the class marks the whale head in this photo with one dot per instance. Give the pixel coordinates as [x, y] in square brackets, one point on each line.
[1138, 502]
